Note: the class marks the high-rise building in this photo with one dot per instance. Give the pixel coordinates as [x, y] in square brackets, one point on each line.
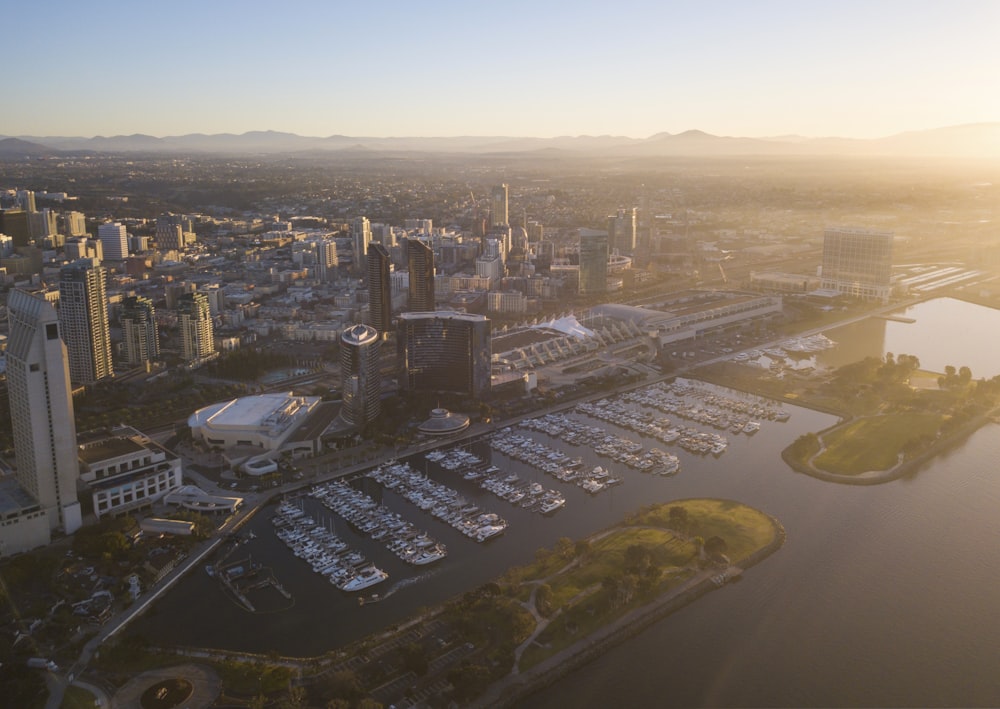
[83, 318]
[42, 224]
[74, 224]
[499, 214]
[140, 337]
[114, 240]
[858, 262]
[379, 288]
[80, 247]
[174, 232]
[622, 231]
[420, 259]
[41, 409]
[14, 223]
[195, 323]
[26, 200]
[360, 375]
[326, 260]
[593, 262]
[361, 236]
[444, 351]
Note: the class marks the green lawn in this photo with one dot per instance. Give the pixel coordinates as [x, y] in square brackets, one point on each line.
[874, 443]
[578, 592]
[77, 698]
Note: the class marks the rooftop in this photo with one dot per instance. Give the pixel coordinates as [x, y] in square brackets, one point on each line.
[13, 497]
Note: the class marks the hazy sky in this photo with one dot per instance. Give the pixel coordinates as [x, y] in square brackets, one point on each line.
[411, 68]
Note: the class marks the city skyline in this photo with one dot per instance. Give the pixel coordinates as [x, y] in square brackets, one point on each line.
[778, 68]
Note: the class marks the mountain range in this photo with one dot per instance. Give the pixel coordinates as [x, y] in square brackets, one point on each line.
[977, 140]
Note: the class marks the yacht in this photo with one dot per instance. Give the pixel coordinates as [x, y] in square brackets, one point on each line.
[366, 577]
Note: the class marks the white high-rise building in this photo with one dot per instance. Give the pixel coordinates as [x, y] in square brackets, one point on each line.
[114, 240]
[195, 321]
[41, 409]
[83, 318]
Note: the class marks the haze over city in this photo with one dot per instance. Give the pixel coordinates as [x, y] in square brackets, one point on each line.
[850, 69]
[364, 355]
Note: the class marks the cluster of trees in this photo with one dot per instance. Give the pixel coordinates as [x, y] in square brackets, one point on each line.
[953, 379]
[110, 539]
[248, 364]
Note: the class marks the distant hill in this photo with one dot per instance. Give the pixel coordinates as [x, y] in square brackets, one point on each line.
[965, 141]
[15, 147]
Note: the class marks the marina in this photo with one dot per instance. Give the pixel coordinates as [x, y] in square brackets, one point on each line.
[443, 502]
[400, 537]
[324, 551]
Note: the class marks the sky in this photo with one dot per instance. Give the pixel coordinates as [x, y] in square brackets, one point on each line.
[514, 68]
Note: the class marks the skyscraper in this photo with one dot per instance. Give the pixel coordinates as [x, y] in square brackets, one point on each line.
[444, 351]
[195, 322]
[74, 224]
[622, 231]
[140, 337]
[83, 318]
[360, 375]
[361, 236]
[858, 262]
[499, 215]
[379, 288]
[593, 262]
[14, 223]
[114, 240]
[420, 258]
[326, 259]
[41, 409]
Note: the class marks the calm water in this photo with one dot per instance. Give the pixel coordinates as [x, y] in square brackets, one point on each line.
[882, 596]
[946, 331]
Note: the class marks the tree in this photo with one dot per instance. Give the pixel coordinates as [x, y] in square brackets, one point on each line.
[415, 659]
[469, 680]
[583, 548]
[678, 517]
[543, 599]
[341, 685]
[638, 558]
[715, 545]
[565, 547]
[296, 698]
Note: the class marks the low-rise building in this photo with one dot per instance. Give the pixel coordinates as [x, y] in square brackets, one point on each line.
[125, 470]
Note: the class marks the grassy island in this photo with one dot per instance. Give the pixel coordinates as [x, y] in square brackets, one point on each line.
[596, 591]
[895, 415]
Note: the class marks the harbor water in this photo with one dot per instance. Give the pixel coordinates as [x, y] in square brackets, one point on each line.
[881, 596]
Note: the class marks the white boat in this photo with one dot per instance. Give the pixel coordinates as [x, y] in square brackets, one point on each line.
[368, 576]
[488, 532]
[551, 505]
[428, 556]
[751, 427]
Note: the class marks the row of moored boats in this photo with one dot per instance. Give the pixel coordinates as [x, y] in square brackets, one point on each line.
[324, 551]
[441, 501]
[507, 486]
[399, 536]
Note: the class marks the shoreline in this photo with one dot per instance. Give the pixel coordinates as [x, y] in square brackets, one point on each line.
[511, 689]
[901, 469]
